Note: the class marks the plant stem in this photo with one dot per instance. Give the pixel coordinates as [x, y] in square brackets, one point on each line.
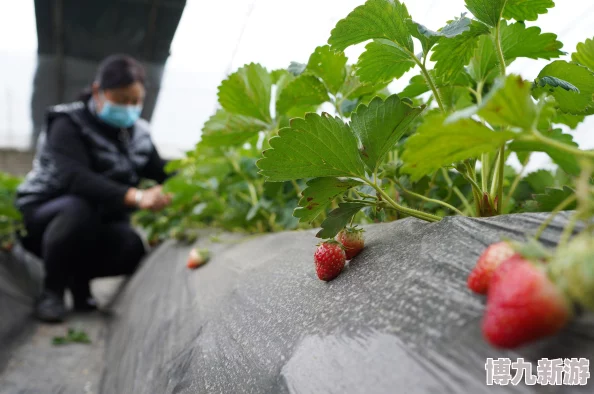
[297, 188]
[500, 176]
[445, 204]
[561, 146]
[409, 211]
[517, 179]
[457, 191]
[554, 213]
[500, 55]
[430, 82]
[567, 231]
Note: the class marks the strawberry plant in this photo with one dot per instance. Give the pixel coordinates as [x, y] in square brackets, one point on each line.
[217, 183]
[10, 217]
[456, 123]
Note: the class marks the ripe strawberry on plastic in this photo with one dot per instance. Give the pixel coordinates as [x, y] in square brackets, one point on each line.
[523, 304]
[197, 257]
[491, 258]
[329, 259]
[352, 240]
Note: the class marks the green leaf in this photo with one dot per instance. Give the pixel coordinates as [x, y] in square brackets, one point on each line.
[247, 92]
[584, 54]
[225, 129]
[553, 197]
[452, 54]
[428, 37]
[567, 163]
[317, 146]
[436, 144]
[320, 193]
[556, 82]
[526, 10]
[383, 61]
[354, 88]
[380, 125]
[375, 19]
[416, 87]
[305, 90]
[569, 120]
[519, 41]
[483, 64]
[569, 101]
[487, 11]
[508, 104]
[540, 180]
[329, 66]
[338, 219]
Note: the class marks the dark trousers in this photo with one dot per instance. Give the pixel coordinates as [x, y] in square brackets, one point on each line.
[78, 244]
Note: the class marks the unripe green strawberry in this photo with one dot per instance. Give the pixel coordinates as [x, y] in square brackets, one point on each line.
[572, 268]
[352, 240]
[329, 259]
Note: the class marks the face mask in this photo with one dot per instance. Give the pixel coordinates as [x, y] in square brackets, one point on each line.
[119, 115]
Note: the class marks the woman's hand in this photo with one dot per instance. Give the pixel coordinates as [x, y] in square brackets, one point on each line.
[152, 199]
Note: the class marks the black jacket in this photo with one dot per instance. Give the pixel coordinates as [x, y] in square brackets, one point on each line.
[79, 154]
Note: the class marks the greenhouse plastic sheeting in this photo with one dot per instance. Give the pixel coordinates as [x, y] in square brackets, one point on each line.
[256, 319]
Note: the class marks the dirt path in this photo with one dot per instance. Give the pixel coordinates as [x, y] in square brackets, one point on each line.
[37, 366]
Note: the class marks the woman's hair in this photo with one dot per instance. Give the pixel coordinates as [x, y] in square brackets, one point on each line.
[116, 71]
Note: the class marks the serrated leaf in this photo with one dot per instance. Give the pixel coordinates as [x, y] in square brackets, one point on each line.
[428, 37]
[519, 41]
[508, 104]
[305, 90]
[569, 120]
[569, 101]
[354, 88]
[551, 199]
[526, 10]
[317, 146]
[566, 162]
[556, 82]
[225, 129]
[374, 19]
[296, 68]
[247, 92]
[452, 54]
[329, 66]
[584, 54]
[380, 125]
[540, 180]
[338, 219]
[383, 61]
[416, 87]
[436, 144]
[483, 64]
[319, 193]
[486, 11]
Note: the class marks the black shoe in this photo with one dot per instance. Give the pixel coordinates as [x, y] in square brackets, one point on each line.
[85, 305]
[50, 307]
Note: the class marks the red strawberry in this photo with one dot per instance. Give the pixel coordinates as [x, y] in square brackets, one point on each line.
[352, 240]
[197, 258]
[329, 259]
[492, 257]
[523, 305]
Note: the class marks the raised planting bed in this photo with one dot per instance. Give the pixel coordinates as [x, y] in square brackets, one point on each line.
[257, 319]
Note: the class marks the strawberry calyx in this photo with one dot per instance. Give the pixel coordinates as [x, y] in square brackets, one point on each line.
[331, 241]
